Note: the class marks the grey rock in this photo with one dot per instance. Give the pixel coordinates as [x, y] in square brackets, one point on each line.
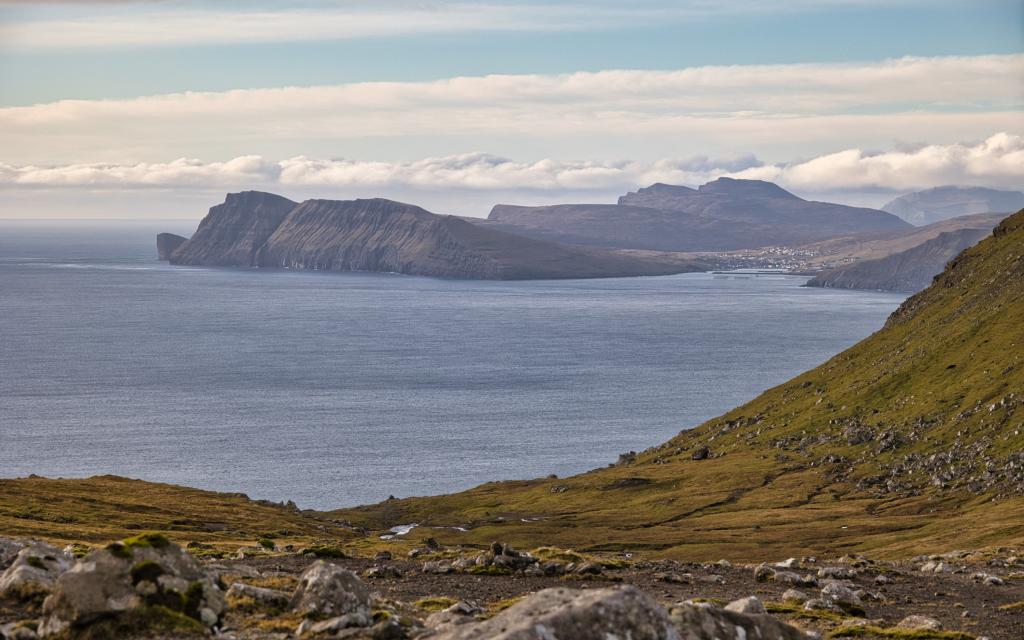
[438, 567]
[17, 631]
[34, 571]
[837, 573]
[793, 595]
[121, 577]
[594, 614]
[919, 622]
[750, 604]
[328, 590]
[841, 595]
[333, 625]
[9, 549]
[265, 597]
[702, 621]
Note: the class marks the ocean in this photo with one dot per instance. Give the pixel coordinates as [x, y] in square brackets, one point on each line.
[340, 389]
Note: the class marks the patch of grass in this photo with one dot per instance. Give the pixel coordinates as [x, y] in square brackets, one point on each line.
[436, 603]
[554, 554]
[35, 561]
[869, 631]
[488, 570]
[325, 551]
[501, 605]
[146, 621]
[267, 543]
[146, 570]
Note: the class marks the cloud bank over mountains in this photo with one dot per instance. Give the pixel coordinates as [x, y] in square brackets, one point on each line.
[997, 161]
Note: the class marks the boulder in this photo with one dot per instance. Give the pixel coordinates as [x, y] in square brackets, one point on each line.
[130, 575]
[34, 571]
[750, 604]
[332, 626]
[259, 595]
[842, 596]
[915, 622]
[9, 551]
[702, 621]
[327, 590]
[794, 595]
[18, 631]
[593, 614]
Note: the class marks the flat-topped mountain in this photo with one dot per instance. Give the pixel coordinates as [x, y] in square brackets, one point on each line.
[906, 271]
[723, 215]
[254, 229]
[910, 440]
[940, 203]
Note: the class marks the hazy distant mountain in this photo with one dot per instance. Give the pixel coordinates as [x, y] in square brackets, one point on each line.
[722, 215]
[907, 271]
[940, 203]
[879, 244]
[265, 230]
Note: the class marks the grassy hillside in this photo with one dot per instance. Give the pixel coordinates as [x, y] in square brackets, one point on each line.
[909, 441]
[105, 508]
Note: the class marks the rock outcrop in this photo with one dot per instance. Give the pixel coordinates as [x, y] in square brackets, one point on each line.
[907, 271]
[33, 571]
[722, 215]
[232, 232]
[941, 203]
[595, 614]
[167, 244]
[129, 576]
[262, 230]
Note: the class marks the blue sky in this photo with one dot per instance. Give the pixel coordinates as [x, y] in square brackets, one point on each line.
[458, 105]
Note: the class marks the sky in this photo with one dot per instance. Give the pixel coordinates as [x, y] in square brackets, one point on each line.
[156, 108]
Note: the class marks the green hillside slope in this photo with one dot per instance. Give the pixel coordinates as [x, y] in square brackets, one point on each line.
[910, 441]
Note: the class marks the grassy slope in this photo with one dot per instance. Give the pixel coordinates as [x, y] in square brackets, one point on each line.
[768, 490]
[773, 492]
[104, 508]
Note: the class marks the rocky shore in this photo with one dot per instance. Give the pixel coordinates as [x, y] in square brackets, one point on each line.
[150, 587]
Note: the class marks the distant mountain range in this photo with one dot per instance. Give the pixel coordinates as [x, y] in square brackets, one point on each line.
[255, 229]
[941, 203]
[723, 215]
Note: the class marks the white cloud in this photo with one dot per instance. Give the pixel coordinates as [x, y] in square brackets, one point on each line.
[997, 161]
[802, 106]
[134, 24]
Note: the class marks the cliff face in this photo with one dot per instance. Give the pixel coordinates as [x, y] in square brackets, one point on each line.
[907, 271]
[942, 203]
[168, 243]
[386, 236]
[232, 232]
[722, 215]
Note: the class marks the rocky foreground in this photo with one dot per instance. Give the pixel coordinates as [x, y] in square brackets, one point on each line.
[150, 587]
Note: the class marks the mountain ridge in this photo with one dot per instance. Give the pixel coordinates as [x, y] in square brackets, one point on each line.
[722, 215]
[254, 229]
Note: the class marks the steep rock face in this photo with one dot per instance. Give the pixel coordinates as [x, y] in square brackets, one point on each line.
[168, 243]
[232, 232]
[385, 236]
[722, 215]
[942, 203]
[907, 271]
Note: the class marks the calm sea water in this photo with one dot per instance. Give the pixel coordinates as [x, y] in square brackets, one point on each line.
[340, 389]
